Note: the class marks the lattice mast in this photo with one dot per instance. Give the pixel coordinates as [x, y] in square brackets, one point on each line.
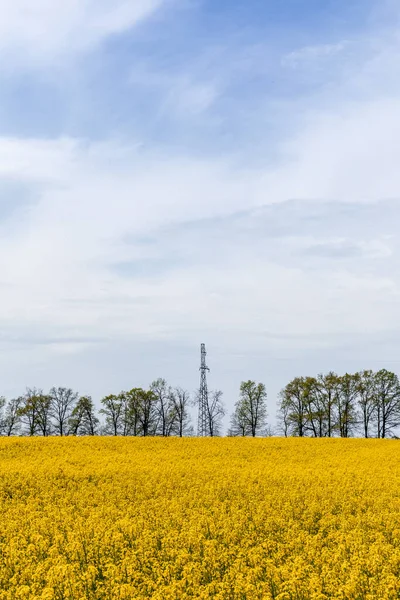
[202, 423]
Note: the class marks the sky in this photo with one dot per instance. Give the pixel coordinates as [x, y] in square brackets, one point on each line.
[175, 172]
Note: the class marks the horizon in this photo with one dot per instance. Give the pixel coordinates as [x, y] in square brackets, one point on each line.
[181, 170]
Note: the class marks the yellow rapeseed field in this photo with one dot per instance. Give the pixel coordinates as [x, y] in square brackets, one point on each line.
[130, 518]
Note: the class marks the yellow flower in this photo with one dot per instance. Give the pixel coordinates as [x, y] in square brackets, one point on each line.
[168, 519]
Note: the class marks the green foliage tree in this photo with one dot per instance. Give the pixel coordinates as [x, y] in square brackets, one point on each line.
[328, 389]
[347, 404]
[34, 411]
[113, 413]
[320, 396]
[83, 420]
[249, 417]
[293, 404]
[44, 403]
[239, 422]
[366, 399]
[132, 408]
[28, 411]
[387, 399]
[149, 411]
[366, 402]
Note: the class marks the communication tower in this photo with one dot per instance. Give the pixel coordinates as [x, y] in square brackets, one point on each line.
[202, 424]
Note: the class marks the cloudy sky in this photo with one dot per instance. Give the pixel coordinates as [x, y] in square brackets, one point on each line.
[182, 171]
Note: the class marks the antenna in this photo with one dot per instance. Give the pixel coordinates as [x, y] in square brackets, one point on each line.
[202, 423]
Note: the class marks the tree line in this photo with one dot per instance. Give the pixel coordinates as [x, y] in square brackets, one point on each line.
[366, 403]
[159, 410]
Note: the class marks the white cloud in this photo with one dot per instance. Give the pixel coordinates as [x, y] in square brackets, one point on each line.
[46, 30]
[95, 195]
[311, 54]
[187, 99]
[184, 95]
[92, 195]
[57, 279]
[348, 155]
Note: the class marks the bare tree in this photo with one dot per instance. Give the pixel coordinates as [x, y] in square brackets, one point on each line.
[215, 413]
[165, 407]
[12, 417]
[2, 415]
[63, 401]
[284, 416]
[180, 402]
[269, 431]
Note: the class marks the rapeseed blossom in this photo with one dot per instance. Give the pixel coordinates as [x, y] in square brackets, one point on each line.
[134, 518]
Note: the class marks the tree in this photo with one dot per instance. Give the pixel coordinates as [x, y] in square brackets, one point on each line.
[326, 387]
[320, 396]
[284, 416]
[34, 411]
[43, 407]
[250, 410]
[315, 409]
[215, 412]
[239, 422]
[346, 404]
[2, 415]
[29, 410]
[166, 414]
[83, 420]
[148, 412]
[366, 398]
[180, 402]
[131, 410]
[125, 414]
[113, 410]
[62, 404]
[12, 417]
[387, 395]
[293, 402]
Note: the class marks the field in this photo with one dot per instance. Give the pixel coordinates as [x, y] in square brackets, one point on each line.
[130, 518]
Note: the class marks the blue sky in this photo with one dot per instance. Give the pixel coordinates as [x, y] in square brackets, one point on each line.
[182, 171]
[228, 57]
